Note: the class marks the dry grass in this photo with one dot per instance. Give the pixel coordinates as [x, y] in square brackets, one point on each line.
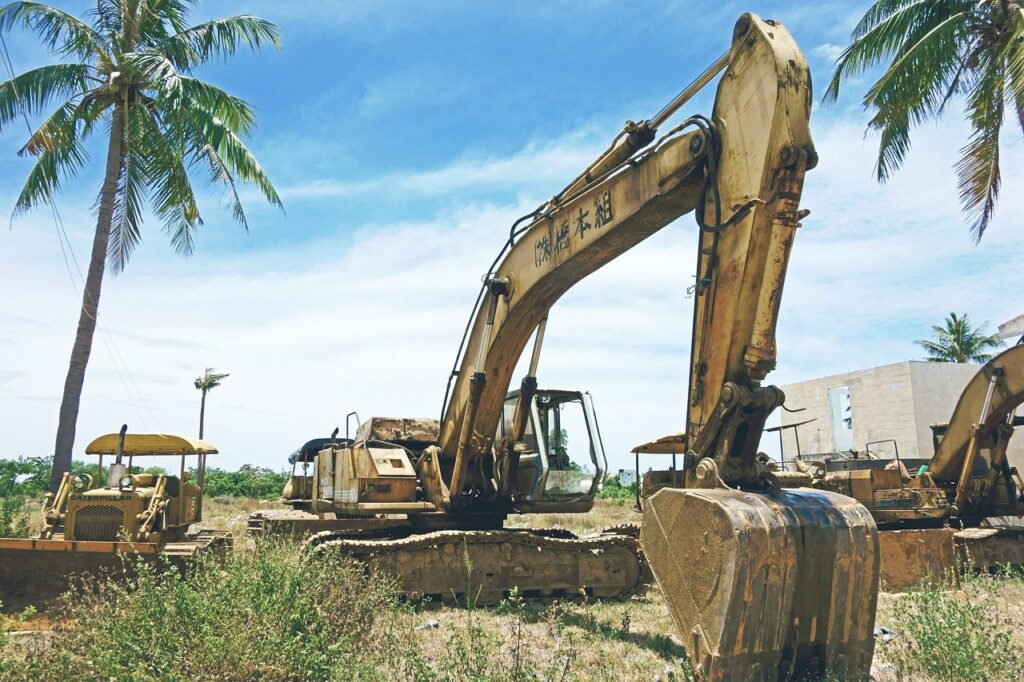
[605, 513]
[636, 640]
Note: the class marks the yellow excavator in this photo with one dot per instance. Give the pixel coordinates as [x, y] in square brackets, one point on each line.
[96, 525]
[763, 581]
[943, 518]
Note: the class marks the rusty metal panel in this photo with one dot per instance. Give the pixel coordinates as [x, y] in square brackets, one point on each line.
[90, 546]
[766, 587]
[862, 487]
[910, 557]
[984, 549]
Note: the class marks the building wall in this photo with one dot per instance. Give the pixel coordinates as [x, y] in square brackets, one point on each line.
[899, 401]
[881, 405]
[937, 387]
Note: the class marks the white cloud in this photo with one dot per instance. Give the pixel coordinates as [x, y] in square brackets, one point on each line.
[312, 332]
[538, 165]
[828, 51]
[410, 89]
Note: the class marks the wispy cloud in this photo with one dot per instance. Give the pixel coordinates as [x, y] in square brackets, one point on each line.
[370, 319]
[828, 51]
[411, 89]
[536, 165]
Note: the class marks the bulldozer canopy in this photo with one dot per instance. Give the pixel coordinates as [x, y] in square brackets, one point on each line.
[142, 444]
[672, 444]
[308, 452]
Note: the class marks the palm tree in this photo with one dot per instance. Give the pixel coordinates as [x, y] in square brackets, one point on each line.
[206, 383]
[937, 50]
[957, 341]
[130, 69]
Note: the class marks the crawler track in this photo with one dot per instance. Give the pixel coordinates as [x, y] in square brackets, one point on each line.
[453, 566]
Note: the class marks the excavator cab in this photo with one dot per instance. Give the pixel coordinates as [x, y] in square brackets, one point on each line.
[562, 464]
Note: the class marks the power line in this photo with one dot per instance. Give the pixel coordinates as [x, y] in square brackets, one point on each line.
[65, 248]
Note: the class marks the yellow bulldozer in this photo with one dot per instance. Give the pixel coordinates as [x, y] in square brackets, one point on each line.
[763, 581]
[93, 527]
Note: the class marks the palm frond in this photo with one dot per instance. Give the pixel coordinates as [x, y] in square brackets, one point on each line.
[893, 141]
[879, 12]
[885, 37]
[1013, 58]
[925, 66]
[936, 352]
[233, 112]
[31, 92]
[978, 168]
[60, 129]
[231, 158]
[171, 194]
[154, 72]
[158, 20]
[126, 223]
[59, 31]
[107, 14]
[62, 155]
[219, 39]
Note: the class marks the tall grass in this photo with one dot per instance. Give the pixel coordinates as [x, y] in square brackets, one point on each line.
[964, 635]
[263, 615]
[269, 615]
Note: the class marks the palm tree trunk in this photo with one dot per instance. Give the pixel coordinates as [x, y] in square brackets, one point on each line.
[202, 413]
[62, 450]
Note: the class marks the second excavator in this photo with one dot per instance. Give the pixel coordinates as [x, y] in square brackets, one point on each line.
[763, 582]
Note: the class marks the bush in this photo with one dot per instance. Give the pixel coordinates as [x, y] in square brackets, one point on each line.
[14, 517]
[954, 635]
[264, 615]
[613, 490]
[30, 477]
[25, 476]
[269, 615]
[249, 481]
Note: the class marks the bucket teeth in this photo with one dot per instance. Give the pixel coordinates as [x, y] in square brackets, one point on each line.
[767, 588]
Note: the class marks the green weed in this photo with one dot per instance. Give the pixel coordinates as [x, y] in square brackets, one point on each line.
[955, 635]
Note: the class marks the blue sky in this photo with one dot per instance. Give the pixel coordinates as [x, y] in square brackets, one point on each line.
[404, 138]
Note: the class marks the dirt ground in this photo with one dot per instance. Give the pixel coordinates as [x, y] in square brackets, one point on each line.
[633, 640]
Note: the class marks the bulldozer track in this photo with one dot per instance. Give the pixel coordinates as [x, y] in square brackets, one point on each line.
[452, 566]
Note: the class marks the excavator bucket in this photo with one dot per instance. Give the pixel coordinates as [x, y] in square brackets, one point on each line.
[766, 588]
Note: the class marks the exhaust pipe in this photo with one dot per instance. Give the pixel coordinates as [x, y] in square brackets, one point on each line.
[117, 469]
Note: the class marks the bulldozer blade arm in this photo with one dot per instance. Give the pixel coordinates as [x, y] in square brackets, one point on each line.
[766, 588]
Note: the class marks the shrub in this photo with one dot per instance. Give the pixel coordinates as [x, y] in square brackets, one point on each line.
[14, 519]
[954, 636]
[30, 477]
[264, 615]
[613, 490]
[249, 481]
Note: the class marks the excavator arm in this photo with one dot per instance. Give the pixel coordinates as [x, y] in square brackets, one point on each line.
[742, 172]
[761, 586]
[982, 419]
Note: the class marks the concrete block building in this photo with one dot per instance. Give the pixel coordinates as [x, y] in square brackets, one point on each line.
[880, 409]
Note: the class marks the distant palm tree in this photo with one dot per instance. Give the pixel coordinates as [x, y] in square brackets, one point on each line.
[958, 342]
[939, 49]
[129, 74]
[206, 383]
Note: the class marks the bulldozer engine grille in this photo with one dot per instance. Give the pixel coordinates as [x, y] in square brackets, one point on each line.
[102, 522]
